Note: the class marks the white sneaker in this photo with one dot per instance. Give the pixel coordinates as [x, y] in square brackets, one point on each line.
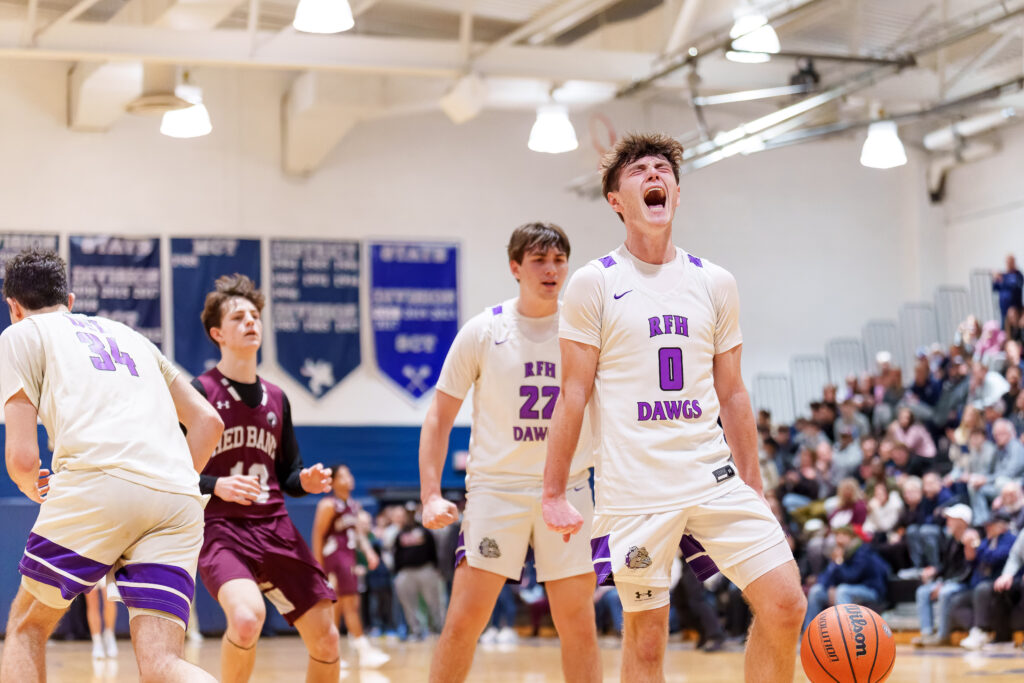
[110, 644]
[490, 636]
[372, 658]
[976, 639]
[507, 636]
[97, 648]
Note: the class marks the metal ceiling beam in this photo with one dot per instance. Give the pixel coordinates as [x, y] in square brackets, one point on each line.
[683, 26]
[982, 58]
[899, 60]
[80, 8]
[565, 16]
[102, 42]
[713, 42]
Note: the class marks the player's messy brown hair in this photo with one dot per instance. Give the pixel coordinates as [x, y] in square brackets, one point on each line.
[637, 146]
[536, 236]
[36, 279]
[228, 287]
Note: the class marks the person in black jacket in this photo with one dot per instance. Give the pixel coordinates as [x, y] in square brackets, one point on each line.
[857, 574]
[942, 583]
[416, 575]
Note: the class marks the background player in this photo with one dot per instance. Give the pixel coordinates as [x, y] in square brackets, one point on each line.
[124, 497]
[653, 333]
[336, 536]
[251, 548]
[509, 356]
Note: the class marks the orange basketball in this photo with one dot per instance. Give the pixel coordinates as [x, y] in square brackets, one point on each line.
[848, 644]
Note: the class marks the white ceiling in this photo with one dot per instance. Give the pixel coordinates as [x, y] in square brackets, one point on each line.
[524, 48]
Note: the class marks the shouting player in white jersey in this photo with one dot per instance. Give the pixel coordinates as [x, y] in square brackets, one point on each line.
[508, 355]
[650, 337]
[124, 495]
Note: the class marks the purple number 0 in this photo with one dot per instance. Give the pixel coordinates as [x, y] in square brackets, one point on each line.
[670, 371]
[531, 394]
[106, 361]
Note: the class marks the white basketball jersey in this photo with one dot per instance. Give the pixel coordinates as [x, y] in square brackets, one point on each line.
[512, 363]
[654, 409]
[101, 390]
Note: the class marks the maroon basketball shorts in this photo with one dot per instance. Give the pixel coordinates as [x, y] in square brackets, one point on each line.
[270, 552]
[340, 567]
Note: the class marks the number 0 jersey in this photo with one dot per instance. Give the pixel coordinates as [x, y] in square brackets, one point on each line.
[654, 409]
[512, 363]
[249, 445]
[101, 390]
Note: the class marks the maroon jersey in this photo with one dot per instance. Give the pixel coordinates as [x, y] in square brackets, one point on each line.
[250, 444]
[341, 534]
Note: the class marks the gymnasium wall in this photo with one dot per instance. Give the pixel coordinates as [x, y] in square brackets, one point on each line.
[984, 209]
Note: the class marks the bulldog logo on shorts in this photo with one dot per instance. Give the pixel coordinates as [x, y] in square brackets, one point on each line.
[489, 548]
[638, 558]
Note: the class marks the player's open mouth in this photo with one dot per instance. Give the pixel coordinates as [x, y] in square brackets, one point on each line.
[655, 197]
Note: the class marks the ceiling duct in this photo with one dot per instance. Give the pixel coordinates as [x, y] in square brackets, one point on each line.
[948, 138]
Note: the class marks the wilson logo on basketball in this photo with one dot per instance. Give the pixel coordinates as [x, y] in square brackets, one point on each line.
[857, 624]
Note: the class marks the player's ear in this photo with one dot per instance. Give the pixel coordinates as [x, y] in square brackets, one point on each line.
[514, 266]
[216, 335]
[613, 199]
[16, 311]
[71, 300]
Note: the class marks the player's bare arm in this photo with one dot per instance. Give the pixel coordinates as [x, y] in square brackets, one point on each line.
[316, 479]
[21, 449]
[579, 368]
[200, 419]
[437, 426]
[737, 416]
[321, 525]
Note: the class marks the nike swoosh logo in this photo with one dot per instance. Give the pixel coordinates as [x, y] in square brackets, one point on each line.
[579, 488]
[619, 296]
[499, 343]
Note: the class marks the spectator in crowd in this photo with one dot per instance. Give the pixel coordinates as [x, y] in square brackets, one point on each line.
[908, 431]
[1012, 325]
[852, 420]
[856, 574]
[1012, 353]
[891, 396]
[1016, 416]
[1009, 285]
[847, 455]
[850, 508]
[1007, 595]
[803, 484]
[970, 420]
[502, 628]
[988, 556]
[690, 593]
[1011, 501]
[767, 456]
[849, 389]
[1007, 465]
[1009, 399]
[884, 509]
[942, 582]
[989, 349]
[925, 390]
[986, 386]
[416, 576]
[786, 457]
[967, 334]
[973, 457]
[953, 397]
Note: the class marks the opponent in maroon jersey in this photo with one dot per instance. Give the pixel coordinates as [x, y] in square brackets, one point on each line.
[251, 548]
[337, 533]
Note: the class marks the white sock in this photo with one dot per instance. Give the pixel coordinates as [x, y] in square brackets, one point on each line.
[97, 639]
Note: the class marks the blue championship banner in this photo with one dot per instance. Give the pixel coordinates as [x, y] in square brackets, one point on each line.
[196, 263]
[414, 306]
[11, 245]
[315, 292]
[118, 278]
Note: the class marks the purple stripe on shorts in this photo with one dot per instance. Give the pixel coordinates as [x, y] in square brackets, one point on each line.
[600, 555]
[155, 599]
[496, 310]
[89, 571]
[460, 549]
[695, 261]
[159, 574]
[702, 566]
[607, 261]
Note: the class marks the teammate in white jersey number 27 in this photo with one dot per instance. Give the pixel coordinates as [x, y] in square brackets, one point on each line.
[508, 355]
[650, 338]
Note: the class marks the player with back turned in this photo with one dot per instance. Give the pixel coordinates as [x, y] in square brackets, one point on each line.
[124, 498]
[251, 548]
[650, 337]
